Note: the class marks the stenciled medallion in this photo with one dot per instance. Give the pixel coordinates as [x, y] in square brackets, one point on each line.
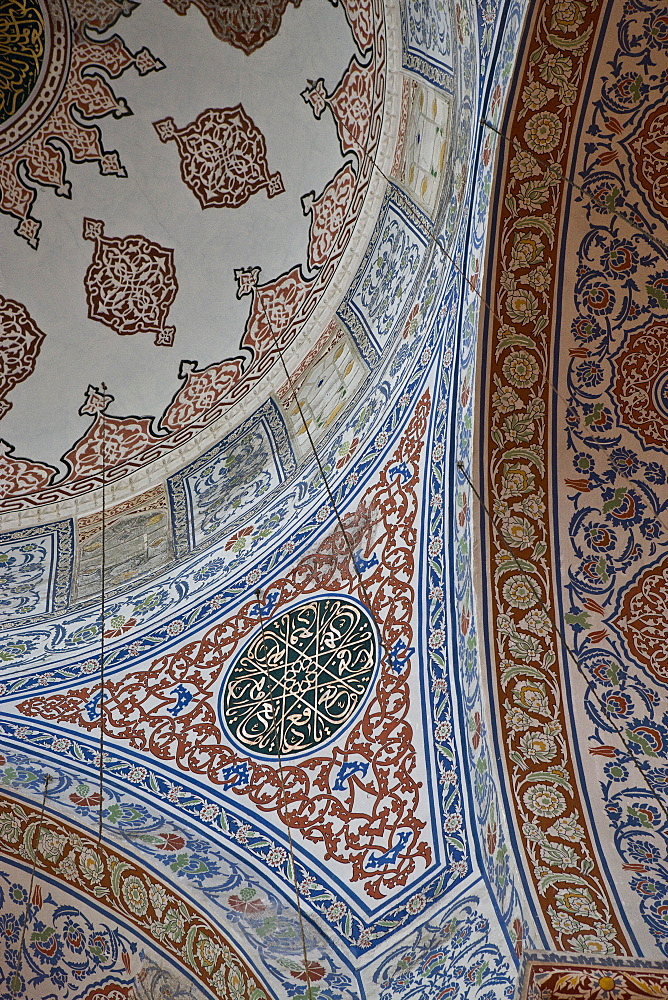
[302, 677]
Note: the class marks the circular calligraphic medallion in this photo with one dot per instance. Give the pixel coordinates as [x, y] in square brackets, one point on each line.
[301, 677]
[34, 61]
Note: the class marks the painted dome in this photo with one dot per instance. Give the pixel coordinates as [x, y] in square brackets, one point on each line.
[333, 487]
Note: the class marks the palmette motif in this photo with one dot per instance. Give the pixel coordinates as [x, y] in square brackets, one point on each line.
[542, 781]
[64, 108]
[223, 157]
[615, 488]
[245, 24]
[20, 343]
[595, 981]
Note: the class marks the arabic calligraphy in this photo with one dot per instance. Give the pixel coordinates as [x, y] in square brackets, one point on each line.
[302, 677]
[21, 53]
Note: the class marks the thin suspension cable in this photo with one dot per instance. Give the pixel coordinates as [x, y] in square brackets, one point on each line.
[319, 464]
[490, 308]
[605, 204]
[330, 493]
[103, 561]
[434, 239]
[570, 651]
[278, 736]
[429, 233]
[19, 957]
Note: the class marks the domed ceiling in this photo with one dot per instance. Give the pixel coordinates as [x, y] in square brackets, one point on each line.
[332, 553]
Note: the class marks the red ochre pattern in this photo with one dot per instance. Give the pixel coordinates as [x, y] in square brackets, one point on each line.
[111, 991]
[130, 284]
[350, 104]
[651, 158]
[249, 24]
[640, 376]
[67, 855]
[357, 824]
[570, 981]
[642, 619]
[542, 782]
[85, 96]
[245, 24]
[223, 157]
[328, 213]
[20, 342]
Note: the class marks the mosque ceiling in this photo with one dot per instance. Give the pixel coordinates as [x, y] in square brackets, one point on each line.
[332, 552]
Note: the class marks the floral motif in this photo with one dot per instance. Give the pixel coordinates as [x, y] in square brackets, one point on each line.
[183, 931]
[527, 646]
[245, 24]
[130, 284]
[373, 860]
[20, 343]
[28, 153]
[223, 157]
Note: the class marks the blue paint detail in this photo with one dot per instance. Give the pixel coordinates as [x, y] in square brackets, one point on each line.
[401, 470]
[91, 706]
[397, 660]
[363, 564]
[390, 857]
[265, 610]
[235, 774]
[347, 770]
[183, 698]
[209, 496]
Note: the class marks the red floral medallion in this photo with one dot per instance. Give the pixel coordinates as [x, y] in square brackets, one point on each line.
[223, 157]
[328, 214]
[130, 284]
[360, 799]
[641, 386]
[643, 620]
[593, 980]
[245, 24]
[650, 149]
[20, 341]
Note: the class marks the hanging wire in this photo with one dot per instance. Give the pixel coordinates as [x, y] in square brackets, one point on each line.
[321, 470]
[604, 204]
[19, 957]
[103, 561]
[490, 308]
[278, 737]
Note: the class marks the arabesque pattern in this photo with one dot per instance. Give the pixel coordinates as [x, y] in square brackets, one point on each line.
[38, 150]
[360, 799]
[532, 723]
[223, 157]
[20, 342]
[245, 24]
[74, 859]
[130, 284]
